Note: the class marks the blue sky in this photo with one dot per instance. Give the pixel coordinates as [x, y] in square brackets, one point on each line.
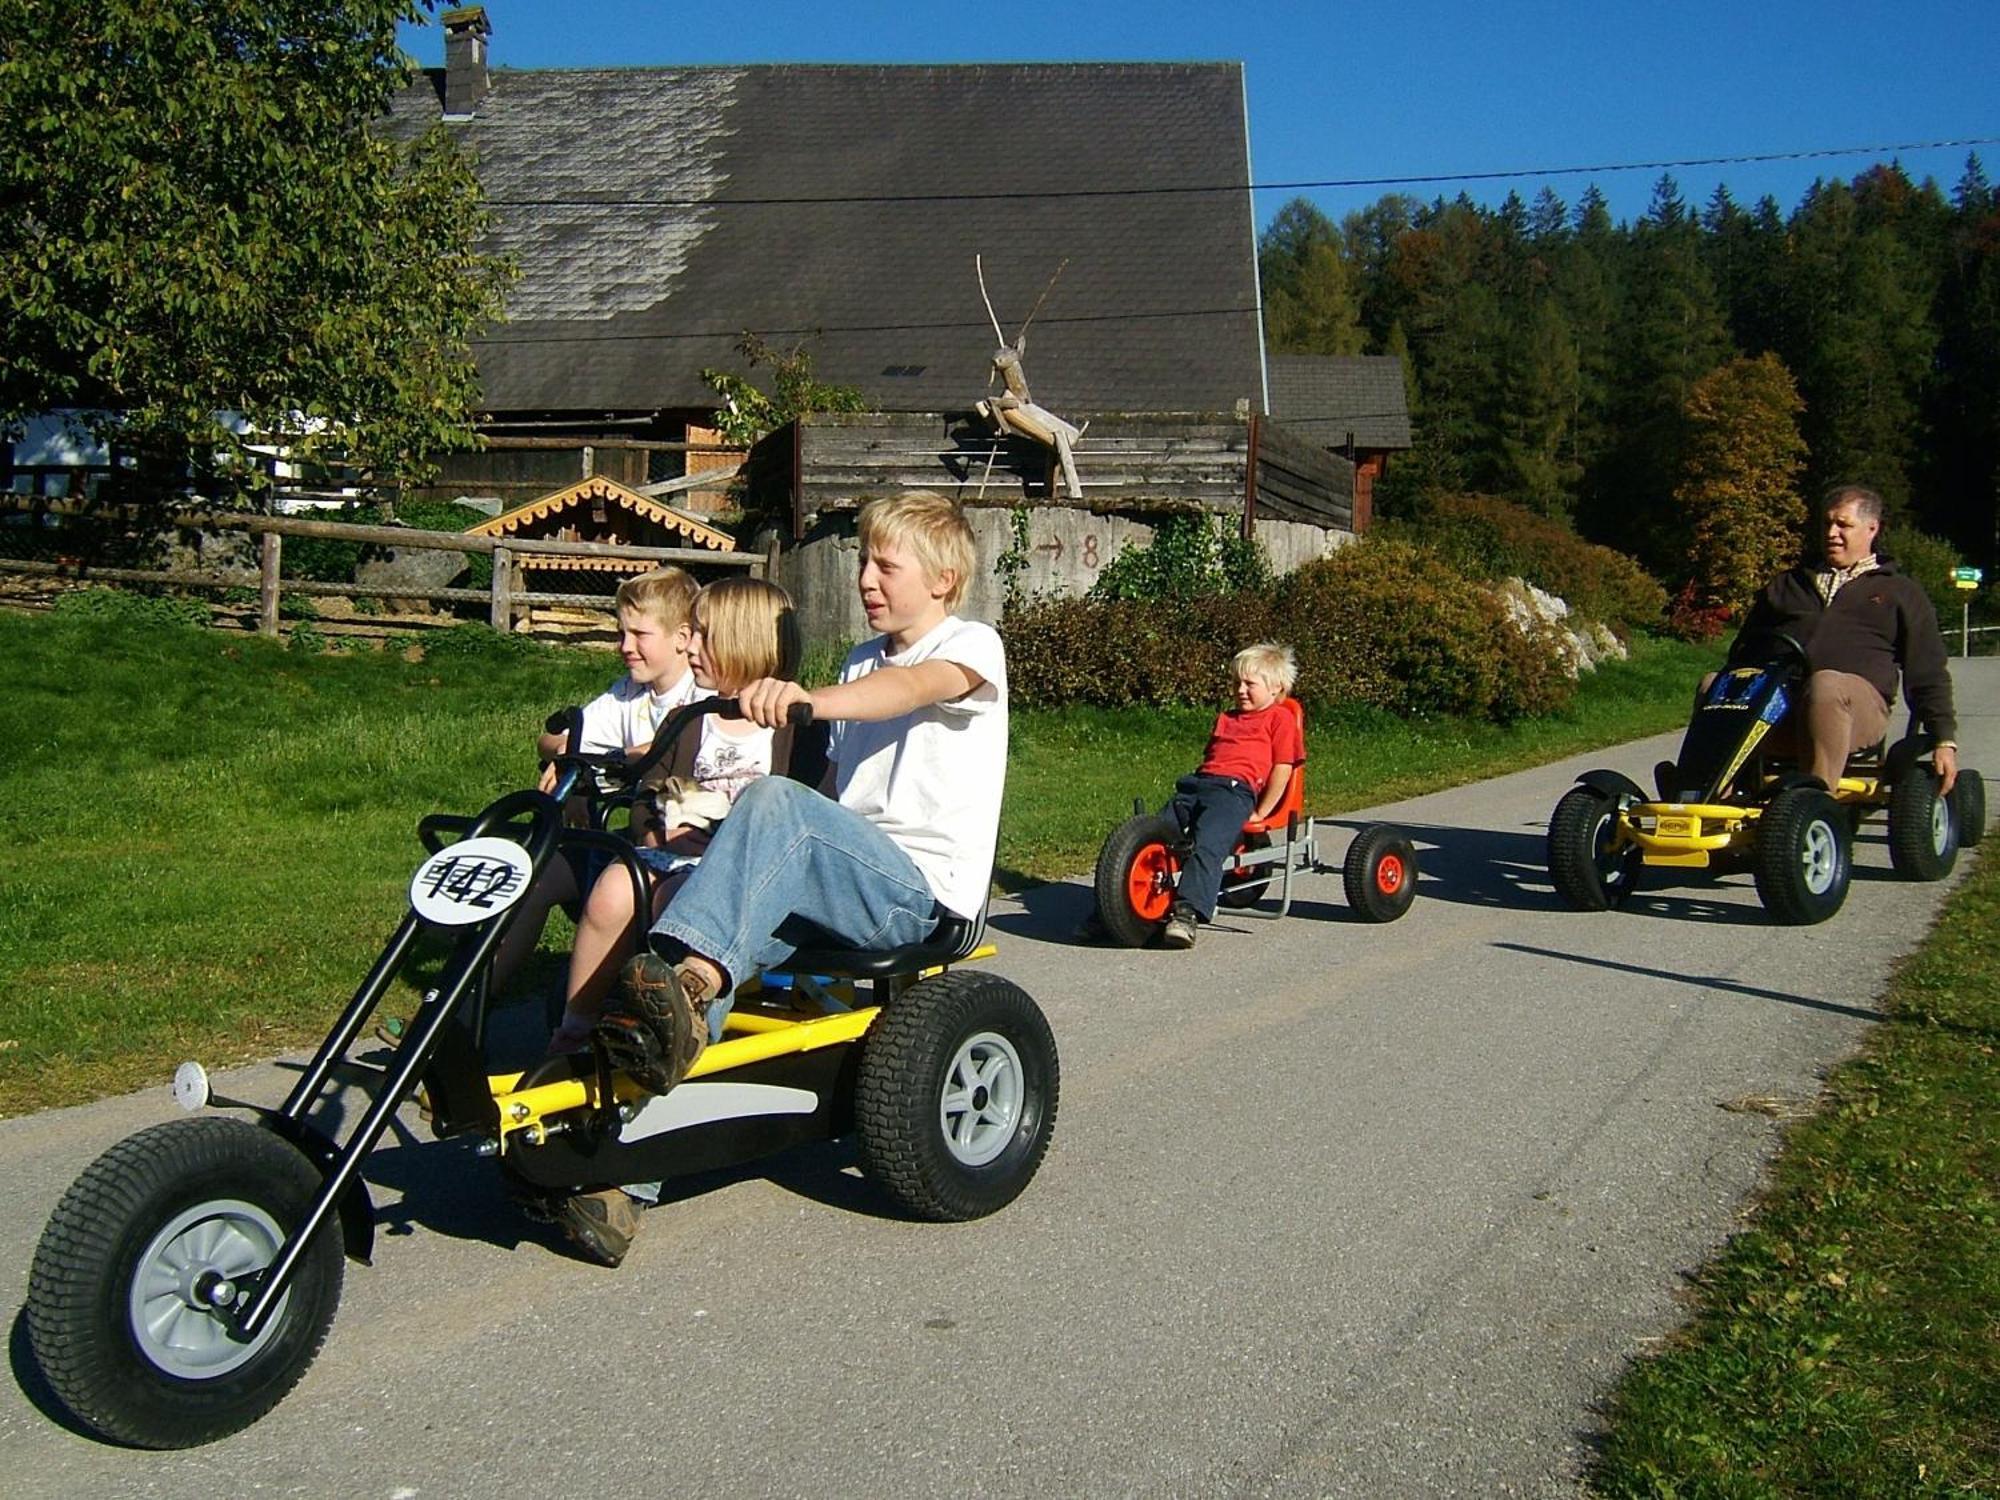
[1417, 88]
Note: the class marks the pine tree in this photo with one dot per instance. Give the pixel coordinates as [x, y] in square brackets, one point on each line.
[1861, 340]
[1673, 335]
[1310, 305]
[1537, 404]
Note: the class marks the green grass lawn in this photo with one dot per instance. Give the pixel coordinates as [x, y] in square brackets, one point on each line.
[207, 837]
[1849, 1342]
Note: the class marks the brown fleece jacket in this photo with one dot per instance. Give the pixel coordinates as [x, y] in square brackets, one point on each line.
[1876, 622]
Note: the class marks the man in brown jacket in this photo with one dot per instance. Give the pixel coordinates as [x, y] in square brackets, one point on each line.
[1862, 622]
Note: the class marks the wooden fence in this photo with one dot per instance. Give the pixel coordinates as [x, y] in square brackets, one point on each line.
[503, 598]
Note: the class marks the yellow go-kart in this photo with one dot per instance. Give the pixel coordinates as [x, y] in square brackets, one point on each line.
[1725, 802]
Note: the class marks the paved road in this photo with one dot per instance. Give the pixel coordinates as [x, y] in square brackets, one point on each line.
[1332, 1210]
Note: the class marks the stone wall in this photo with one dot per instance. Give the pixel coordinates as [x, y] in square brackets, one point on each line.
[1066, 548]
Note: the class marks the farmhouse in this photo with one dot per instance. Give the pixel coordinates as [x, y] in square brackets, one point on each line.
[870, 216]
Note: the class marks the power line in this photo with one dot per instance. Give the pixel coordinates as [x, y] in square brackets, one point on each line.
[821, 328]
[1420, 180]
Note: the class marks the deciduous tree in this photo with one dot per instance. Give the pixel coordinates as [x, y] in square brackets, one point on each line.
[202, 219]
[1737, 503]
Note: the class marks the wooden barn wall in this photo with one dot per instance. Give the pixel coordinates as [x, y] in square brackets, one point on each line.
[1299, 481]
[1132, 464]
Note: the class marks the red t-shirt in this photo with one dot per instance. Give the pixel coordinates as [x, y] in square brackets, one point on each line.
[1247, 745]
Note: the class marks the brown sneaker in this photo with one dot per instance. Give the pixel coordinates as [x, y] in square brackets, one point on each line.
[1181, 924]
[653, 1029]
[601, 1225]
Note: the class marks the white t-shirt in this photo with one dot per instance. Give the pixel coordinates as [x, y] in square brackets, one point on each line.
[626, 713]
[727, 763]
[932, 779]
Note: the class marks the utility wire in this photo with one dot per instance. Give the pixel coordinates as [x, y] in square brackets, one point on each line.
[1255, 187]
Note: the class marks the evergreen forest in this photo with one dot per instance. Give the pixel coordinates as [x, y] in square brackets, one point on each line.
[1658, 383]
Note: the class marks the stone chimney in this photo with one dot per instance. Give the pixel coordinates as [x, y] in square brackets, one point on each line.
[465, 78]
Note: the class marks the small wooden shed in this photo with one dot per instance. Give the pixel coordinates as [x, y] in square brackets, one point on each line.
[605, 512]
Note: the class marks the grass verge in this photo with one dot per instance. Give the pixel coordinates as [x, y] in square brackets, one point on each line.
[204, 839]
[1848, 1343]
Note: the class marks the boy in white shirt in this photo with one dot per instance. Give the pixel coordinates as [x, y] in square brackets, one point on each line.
[919, 755]
[655, 631]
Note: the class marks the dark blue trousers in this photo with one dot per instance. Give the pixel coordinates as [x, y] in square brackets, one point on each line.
[1212, 809]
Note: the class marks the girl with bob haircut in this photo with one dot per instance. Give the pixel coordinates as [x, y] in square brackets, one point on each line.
[744, 629]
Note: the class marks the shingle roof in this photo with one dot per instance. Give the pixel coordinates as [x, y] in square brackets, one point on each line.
[620, 304]
[1326, 396]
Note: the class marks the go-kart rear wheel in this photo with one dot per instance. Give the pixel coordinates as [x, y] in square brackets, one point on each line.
[955, 1099]
[1380, 873]
[1590, 869]
[1243, 889]
[1969, 791]
[1804, 862]
[1138, 871]
[138, 1260]
[1923, 827]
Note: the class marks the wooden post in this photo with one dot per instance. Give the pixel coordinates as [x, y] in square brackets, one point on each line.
[270, 547]
[502, 616]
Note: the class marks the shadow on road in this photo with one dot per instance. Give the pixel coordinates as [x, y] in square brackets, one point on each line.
[28, 1376]
[1703, 981]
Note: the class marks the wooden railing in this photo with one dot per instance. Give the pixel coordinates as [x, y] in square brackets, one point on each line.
[502, 598]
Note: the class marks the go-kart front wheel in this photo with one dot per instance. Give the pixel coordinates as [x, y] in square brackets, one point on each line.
[1969, 791]
[1803, 857]
[955, 1099]
[1380, 873]
[1138, 871]
[1923, 826]
[1590, 869]
[141, 1256]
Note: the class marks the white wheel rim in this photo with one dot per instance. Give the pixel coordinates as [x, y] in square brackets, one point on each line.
[1940, 824]
[984, 1091]
[190, 1271]
[1820, 856]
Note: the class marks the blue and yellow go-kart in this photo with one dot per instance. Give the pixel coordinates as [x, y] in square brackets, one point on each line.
[188, 1278]
[1726, 802]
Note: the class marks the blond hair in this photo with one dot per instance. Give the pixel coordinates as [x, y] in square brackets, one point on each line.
[1270, 662]
[748, 630]
[665, 595]
[928, 526]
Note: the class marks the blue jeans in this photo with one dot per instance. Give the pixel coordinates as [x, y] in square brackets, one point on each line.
[1213, 810]
[785, 851]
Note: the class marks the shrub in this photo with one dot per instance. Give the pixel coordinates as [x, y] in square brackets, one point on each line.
[1391, 625]
[1691, 619]
[1382, 625]
[118, 607]
[1494, 539]
[1929, 560]
[1189, 557]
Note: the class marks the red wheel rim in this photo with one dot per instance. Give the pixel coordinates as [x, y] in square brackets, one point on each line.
[1149, 884]
[1389, 874]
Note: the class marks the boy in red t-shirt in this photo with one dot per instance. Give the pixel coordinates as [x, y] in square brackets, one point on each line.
[1243, 774]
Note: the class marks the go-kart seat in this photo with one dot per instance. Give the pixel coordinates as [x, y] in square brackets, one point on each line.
[951, 940]
[1292, 803]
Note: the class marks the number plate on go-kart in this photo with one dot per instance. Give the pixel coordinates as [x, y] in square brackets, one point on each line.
[470, 881]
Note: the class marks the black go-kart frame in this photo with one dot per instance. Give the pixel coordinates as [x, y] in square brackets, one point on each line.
[187, 1279]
